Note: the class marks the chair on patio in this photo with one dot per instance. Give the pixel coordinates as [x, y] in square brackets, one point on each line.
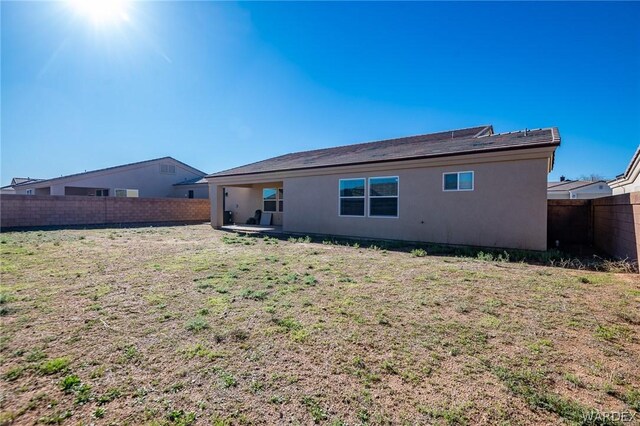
[256, 218]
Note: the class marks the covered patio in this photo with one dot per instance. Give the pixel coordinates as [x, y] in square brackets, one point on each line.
[234, 205]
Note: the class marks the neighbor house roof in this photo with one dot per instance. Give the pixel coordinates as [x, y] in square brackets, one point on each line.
[40, 181]
[570, 185]
[441, 144]
[18, 180]
[634, 164]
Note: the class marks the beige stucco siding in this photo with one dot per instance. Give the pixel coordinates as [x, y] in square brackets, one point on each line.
[630, 185]
[507, 207]
[182, 191]
[147, 178]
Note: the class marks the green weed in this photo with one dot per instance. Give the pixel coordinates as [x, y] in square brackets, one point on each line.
[54, 366]
[318, 413]
[197, 324]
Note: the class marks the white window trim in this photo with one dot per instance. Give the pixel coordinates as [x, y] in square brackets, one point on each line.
[277, 200]
[30, 192]
[369, 196]
[364, 197]
[126, 192]
[473, 181]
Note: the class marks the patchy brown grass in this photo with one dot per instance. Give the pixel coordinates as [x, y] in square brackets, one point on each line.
[187, 325]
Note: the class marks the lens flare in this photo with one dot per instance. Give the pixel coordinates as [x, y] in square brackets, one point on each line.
[101, 12]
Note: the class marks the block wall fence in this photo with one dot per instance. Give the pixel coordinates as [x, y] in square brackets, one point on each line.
[616, 225]
[610, 224]
[24, 211]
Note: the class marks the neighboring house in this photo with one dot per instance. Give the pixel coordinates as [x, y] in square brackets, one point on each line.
[629, 181]
[161, 177]
[577, 190]
[16, 181]
[468, 186]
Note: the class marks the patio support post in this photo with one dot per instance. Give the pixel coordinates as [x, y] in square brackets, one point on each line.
[216, 195]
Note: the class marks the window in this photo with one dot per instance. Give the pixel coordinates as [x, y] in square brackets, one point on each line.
[102, 192]
[351, 197]
[460, 181]
[29, 191]
[190, 193]
[383, 196]
[272, 199]
[169, 169]
[132, 193]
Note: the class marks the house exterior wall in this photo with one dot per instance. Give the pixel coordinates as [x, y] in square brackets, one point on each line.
[200, 191]
[633, 185]
[596, 190]
[243, 202]
[507, 207]
[146, 178]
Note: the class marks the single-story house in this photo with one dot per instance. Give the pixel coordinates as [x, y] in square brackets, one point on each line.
[163, 177]
[577, 189]
[629, 181]
[464, 186]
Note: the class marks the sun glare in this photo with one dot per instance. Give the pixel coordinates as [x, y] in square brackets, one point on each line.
[101, 12]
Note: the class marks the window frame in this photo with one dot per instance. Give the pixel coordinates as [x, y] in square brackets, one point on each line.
[473, 181]
[276, 200]
[126, 193]
[29, 192]
[364, 197]
[168, 169]
[397, 197]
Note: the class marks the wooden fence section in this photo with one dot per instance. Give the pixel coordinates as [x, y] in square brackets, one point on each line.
[24, 211]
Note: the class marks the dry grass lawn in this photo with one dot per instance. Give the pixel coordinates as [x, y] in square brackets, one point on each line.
[187, 325]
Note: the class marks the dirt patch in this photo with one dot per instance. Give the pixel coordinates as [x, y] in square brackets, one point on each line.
[187, 325]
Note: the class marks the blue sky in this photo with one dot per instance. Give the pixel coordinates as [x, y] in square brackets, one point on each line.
[218, 85]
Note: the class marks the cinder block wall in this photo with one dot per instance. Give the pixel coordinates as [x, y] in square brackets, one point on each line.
[18, 211]
[570, 223]
[616, 225]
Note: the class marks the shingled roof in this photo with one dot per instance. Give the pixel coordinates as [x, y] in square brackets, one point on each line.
[570, 185]
[441, 144]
